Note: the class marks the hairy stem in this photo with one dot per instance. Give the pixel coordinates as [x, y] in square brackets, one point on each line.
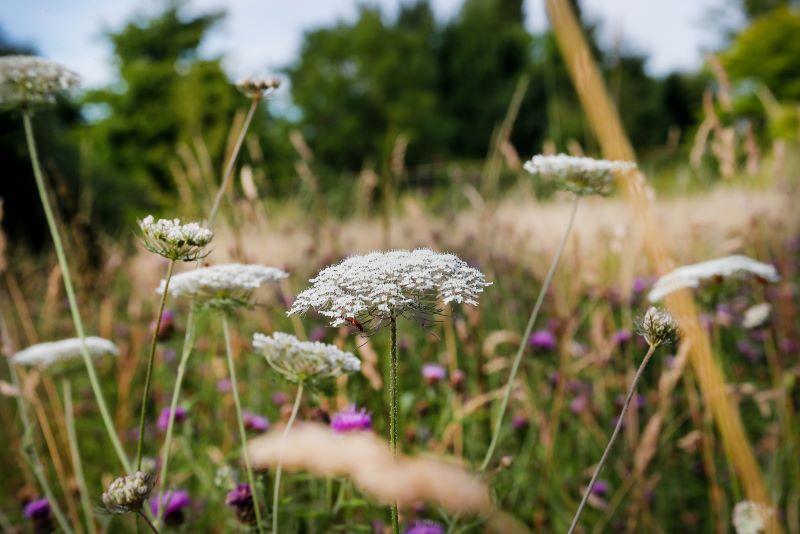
[77, 465]
[620, 421]
[242, 434]
[149, 373]
[393, 410]
[524, 341]
[73, 303]
[226, 177]
[188, 344]
[276, 492]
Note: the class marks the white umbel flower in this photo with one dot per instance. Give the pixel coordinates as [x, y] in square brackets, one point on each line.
[582, 176]
[173, 240]
[63, 351]
[751, 517]
[222, 286]
[756, 315]
[258, 86]
[690, 276]
[30, 81]
[304, 361]
[657, 327]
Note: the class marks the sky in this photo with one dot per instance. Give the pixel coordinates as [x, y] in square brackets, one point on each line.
[258, 35]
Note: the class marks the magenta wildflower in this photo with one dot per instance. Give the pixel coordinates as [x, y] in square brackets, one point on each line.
[579, 404]
[425, 527]
[174, 503]
[622, 336]
[600, 488]
[457, 379]
[351, 419]
[318, 333]
[181, 414]
[279, 398]
[37, 509]
[543, 340]
[240, 499]
[255, 422]
[167, 326]
[433, 373]
[520, 422]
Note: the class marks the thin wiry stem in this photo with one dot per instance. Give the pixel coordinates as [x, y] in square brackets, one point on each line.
[149, 373]
[77, 465]
[620, 421]
[226, 177]
[276, 492]
[188, 344]
[146, 520]
[240, 421]
[524, 341]
[393, 410]
[32, 456]
[73, 303]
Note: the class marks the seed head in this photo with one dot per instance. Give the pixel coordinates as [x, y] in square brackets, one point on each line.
[658, 328]
[128, 493]
[304, 361]
[258, 86]
[173, 240]
[29, 81]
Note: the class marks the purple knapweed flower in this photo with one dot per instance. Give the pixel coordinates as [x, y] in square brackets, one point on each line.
[579, 404]
[519, 422]
[255, 422]
[318, 333]
[433, 373]
[37, 509]
[240, 499]
[543, 340]
[457, 379]
[167, 326]
[279, 398]
[351, 419]
[622, 336]
[600, 488]
[425, 527]
[181, 414]
[640, 284]
[174, 503]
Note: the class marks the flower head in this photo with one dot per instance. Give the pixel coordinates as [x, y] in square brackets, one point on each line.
[63, 351]
[128, 493]
[173, 240]
[221, 286]
[369, 290]
[258, 86]
[29, 81]
[543, 340]
[751, 517]
[690, 276]
[425, 527]
[37, 509]
[174, 502]
[254, 422]
[756, 315]
[351, 419]
[181, 414]
[240, 499]
[433, 373]
[301, 361]
[657, 327]
[582, 176]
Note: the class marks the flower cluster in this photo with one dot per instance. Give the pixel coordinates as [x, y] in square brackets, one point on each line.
[29, 81]
[258, 86]
[690, 276]
[351, 419]
[66, 350]
[240, 499]
[751, 517]
[302, 361]
[173, 240]
[222, 286]
[657, 327]
[582, 176]
[129, 493]
[374, 288]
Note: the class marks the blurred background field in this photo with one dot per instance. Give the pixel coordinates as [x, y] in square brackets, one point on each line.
[398, 128]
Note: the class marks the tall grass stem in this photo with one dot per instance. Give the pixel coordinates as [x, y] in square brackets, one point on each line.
[276, 492]
[394, 411]
[77, 465]
[620, 422]
[524, 341]
[73, 303]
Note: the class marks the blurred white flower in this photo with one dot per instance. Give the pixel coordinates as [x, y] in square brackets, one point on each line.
[750, 517]
[173, 240]
[303, 361]
[222, 286]
[690, 276]
[375, 287]
[128, 493]
[582, 176]
[657, 327]
[55, 352]
[756, 315]
[258, 86]
[30, 81]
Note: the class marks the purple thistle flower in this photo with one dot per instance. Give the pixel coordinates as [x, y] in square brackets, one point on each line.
[579, 404]
[318, 333]
[255, 422]
[457, 379]
[622, 336]
[519, 422]
[425, 527]
[167, 326]
[279, 398]
[351, 419]
[600, 488]
[433, 373]
[640, 284]
[174, 502]
[543, 340]
[181, 414]
[240, 499]
[37, 510]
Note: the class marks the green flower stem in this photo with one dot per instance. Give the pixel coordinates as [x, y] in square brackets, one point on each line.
[147, 521]
[188, 344]
[242, 434]
[150, 360]
[32, 456]
[620, 421]
[73, 303]
[226, 177]
[276, 492]
[393, 411]
[524, 341]
[77, 466]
